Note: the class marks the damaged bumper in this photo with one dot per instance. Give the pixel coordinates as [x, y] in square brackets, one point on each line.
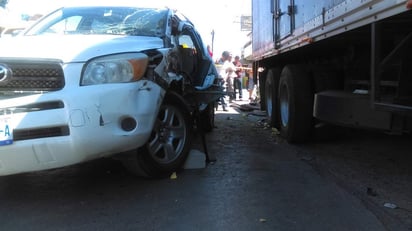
[70, 126]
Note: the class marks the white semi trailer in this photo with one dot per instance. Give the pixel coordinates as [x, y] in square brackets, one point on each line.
[341, 62]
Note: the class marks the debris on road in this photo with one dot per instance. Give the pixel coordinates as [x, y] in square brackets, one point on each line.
[390, 205]
[173, 176]
[262, 220]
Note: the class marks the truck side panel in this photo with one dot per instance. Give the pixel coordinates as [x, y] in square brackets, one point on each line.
[291, 14]
[308, 10]
[311, 21]
[263, 28]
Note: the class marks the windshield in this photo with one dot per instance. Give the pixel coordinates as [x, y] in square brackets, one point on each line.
[103, 20]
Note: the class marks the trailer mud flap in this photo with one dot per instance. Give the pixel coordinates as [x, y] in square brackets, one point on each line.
[348, 109]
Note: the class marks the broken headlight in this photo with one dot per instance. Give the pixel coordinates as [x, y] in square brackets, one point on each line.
[121, 68]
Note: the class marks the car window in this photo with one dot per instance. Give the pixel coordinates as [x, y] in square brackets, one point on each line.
[103, 20]
[145, 22]
[186, 41]
[65, 26]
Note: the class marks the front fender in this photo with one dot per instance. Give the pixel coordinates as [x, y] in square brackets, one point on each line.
[176, 99]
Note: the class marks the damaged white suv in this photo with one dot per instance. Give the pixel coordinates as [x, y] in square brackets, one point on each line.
[91, 82]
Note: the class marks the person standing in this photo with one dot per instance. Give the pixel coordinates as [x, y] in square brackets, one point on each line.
[223, 58]
[222, 75]
[229, 74]
[237, 81]
[209, 50]
[250, 84]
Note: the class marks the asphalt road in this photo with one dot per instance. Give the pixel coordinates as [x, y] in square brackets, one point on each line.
[255, 184]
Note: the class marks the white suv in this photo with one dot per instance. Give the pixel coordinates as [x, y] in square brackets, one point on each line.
[90, 82]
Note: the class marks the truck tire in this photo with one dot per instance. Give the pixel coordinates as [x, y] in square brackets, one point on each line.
[271, 97]
[168, 147]
[296, 104]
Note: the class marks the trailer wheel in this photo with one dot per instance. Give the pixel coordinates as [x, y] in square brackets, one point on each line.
[168, 147]
[271, 99]
[296, 104]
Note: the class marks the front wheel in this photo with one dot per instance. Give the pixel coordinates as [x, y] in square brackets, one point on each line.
[296, 104]
[168, 146]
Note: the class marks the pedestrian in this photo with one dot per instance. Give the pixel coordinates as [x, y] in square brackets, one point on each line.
[209, 50]
[222, 76]
[228, 72]
[223, 58]
[409, 4]
[237, 81]
[250, 84]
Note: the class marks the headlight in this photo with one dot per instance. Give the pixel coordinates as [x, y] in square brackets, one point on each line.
[120, 68]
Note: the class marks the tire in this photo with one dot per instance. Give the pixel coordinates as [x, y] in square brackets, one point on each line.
[206, 120]
[168, 146]
[271, 99]
[296, 104]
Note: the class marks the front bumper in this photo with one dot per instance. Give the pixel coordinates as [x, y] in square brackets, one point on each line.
[88, 122]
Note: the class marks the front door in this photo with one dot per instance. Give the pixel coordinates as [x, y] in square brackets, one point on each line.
[197, 62]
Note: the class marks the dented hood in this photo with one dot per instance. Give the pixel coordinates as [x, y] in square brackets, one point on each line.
[74, 48]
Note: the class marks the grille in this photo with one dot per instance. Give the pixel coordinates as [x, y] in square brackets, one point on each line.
[32, 107]
[34, 75]
[27, 134]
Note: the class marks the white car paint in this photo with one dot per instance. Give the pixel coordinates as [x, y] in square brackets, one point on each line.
[93, 86]
[84, 106]
[88, 138]
[75, 48]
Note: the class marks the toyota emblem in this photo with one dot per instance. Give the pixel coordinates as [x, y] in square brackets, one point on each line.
[5, 73]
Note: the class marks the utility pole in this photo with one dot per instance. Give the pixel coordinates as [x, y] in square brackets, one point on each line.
[213, 39]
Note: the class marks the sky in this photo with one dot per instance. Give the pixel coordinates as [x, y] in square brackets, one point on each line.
[220, 16]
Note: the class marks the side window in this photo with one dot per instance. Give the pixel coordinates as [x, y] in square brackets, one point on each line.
[188, 54]
[185, 41]
[68, 25]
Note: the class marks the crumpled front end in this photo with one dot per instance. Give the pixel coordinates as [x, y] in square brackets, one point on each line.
[48, 120]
